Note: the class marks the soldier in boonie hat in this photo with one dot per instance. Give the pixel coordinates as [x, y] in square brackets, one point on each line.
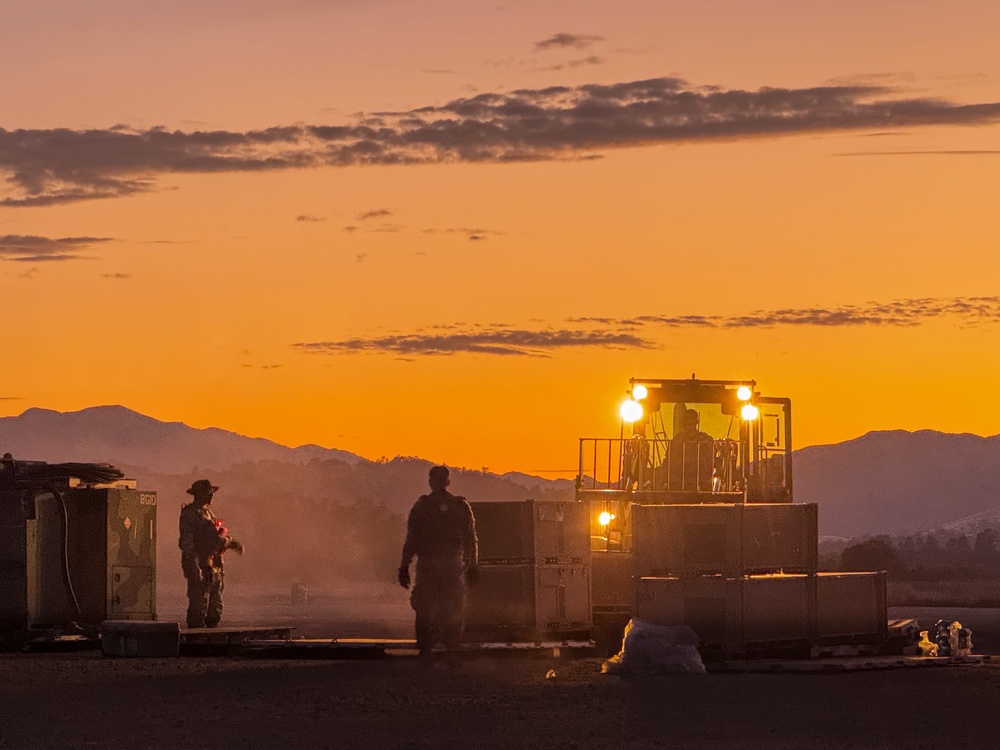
[203, 540]
[202, 485]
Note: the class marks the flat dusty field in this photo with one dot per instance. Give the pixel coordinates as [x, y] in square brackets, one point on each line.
[84, 700]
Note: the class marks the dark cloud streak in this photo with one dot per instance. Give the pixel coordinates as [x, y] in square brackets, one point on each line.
[497, 341]
[565, 40]
[28, 248]
[47, 167]
[970, 311]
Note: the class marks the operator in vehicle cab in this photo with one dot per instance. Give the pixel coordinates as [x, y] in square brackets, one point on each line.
[690, 455]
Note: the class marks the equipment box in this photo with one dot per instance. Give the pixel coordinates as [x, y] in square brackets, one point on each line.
[727, 540]
[138, 638]
[678, 540]
[780, 537]
[532, 531]
[527, 602]
[851, 605]
[731, 613]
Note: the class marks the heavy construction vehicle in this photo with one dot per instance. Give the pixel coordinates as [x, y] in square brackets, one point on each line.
[693, 521]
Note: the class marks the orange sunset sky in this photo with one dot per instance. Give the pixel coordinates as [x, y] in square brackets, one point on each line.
[454, 229]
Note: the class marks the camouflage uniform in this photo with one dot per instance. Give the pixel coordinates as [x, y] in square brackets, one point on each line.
[441, 533]
[202, 546]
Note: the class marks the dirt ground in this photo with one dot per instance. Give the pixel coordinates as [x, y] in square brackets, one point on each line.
[84, 700]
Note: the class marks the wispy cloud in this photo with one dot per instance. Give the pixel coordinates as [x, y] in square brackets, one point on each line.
[375, 213]
[565, 40]
[968, 311]
[44, 167]
[116, 276]
[590, 60]
[474, 234]
[498, 341]
[309, 218]
[954, 152]
[29, 248]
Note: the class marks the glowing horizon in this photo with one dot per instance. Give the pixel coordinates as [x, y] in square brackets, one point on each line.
[456, 232]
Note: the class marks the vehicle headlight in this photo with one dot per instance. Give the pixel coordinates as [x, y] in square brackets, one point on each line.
[631, 411]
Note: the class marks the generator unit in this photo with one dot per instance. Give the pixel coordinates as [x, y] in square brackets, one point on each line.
[76, 556]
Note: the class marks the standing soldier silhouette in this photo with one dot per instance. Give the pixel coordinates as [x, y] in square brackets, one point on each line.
[441, 533]
[203, 540]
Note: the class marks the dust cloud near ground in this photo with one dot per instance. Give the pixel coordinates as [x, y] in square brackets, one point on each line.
[373, 610]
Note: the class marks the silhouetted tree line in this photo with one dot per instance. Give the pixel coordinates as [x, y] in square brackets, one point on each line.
[928, 557]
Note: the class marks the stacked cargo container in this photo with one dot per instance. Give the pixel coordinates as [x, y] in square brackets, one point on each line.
[746, 577]
[534, 572]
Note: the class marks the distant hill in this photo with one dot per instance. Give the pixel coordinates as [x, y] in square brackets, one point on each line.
[970, 526]
[307, 514]
[893, 483]
[119, 435]
[899, 482]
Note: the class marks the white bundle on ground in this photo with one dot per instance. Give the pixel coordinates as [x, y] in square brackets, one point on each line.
[656, 649]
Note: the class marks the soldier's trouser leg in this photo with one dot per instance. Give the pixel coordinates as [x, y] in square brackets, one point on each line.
[213, 612]
[451, 613]
[438, 599]
[197, 594]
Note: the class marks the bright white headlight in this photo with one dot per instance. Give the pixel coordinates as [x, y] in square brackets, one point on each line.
[631, 411]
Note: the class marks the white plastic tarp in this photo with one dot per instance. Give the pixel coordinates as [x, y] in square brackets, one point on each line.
[656, 649]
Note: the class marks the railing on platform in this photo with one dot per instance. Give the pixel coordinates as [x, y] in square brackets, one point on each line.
[657, 465]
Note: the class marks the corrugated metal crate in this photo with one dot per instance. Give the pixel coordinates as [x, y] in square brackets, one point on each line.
[724, 539]
[731, 613]
[613, 583]
[526, 531]
[518, 602]
[778, 608]
[780, 537]
[678, 540]
[851, 605]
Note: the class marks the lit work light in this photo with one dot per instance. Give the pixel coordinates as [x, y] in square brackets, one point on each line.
[749, 412]
[743, 393]
[605, 518]
[631, 411]
[639, 392]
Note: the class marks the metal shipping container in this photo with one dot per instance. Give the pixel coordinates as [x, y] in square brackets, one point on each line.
[851, 605]
[724, 539]
[732, 613]
[532, 531]
[527, 602]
